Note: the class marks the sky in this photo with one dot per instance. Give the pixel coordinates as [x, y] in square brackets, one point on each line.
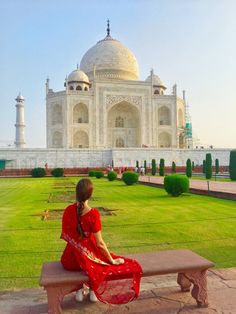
[188, 42]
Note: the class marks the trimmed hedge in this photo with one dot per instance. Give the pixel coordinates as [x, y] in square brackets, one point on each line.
[188, 168]
[38, 172]
[91, 173]
[112, 175]
[162, 167]
[173, 167]
[232, 165]
[130, 177]
[57, 172]
[154, 167]
[99, 174]
[217, 166]
[176, 184]
[208, 166]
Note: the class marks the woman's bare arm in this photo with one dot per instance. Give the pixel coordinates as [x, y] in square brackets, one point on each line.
[102, 246]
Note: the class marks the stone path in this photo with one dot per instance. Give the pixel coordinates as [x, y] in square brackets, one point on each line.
[159, 295]
[218, 186]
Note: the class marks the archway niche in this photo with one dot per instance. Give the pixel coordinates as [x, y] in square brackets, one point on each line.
[164, 140]
[181, 140]
[80, 139]
[164, 115]
[80, 113]
[123, 122]
[56, 117]
[57, 140]
[120, 142]
[180, 119]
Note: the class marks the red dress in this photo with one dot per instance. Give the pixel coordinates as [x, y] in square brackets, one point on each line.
[113, 284]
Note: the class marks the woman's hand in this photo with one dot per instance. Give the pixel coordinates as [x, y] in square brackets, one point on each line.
[118, 261]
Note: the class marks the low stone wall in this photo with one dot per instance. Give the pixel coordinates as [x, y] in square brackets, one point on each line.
[89, 158]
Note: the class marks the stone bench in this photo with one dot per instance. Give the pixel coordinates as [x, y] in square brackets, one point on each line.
[190, 267]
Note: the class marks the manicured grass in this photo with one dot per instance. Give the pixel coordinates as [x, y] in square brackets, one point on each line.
[146, 219]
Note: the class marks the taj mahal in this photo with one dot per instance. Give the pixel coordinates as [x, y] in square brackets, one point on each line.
[106, 114]
[105, 105]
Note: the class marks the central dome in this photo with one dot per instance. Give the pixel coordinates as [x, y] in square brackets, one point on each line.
[112, 60]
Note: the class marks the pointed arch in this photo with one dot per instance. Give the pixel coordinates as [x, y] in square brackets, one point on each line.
[164, 140]
[180, 119]
[80, 139]
[56, 117]
[164, 115]
[120, 142]
[57, 139]
[80, 113]
[123, 121]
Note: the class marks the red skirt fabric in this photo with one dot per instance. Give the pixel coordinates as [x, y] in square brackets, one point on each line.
[114, 284]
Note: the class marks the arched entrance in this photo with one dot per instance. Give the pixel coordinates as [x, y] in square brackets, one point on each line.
[80, 113]
[80, 139]
[164, 140]
[123, 126]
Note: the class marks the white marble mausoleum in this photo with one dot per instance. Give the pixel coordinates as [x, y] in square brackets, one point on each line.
[105, 114]
[105, 105]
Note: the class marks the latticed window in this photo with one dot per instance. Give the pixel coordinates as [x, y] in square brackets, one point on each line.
[120, 142]
[119, 122]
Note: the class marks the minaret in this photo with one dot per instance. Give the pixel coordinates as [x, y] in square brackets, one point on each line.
[20, 122]
[188, 125]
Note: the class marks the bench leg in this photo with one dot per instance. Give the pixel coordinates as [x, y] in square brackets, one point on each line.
[199, 291]
[56, 295]
[184, 282]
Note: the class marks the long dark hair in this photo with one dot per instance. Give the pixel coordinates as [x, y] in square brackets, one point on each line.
[84, 190]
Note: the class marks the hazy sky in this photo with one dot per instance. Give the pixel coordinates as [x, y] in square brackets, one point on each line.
[188, 42]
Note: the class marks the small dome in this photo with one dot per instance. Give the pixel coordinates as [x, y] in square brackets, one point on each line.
[20, 97]
[78, 76]
[111, 59]
[156, 80]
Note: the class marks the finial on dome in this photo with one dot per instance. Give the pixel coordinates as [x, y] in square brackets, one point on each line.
[108, 27]
[77, 66]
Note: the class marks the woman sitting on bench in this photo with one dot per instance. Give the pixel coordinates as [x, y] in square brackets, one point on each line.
[112, 279]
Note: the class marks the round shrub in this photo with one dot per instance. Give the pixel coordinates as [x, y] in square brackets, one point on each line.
[176, 184]
[38, 172]
[130, 177]
[99, 174]
[112, 175]
[91, 173]
[58, 172]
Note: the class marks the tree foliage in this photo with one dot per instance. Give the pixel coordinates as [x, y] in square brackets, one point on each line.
[130, 177]
[189, 168]
[176, 184]
[154, 167]
[232, 165]
[173, 167]
[208, 166]
[162, 167]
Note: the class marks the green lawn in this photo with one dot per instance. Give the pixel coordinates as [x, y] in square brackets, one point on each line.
[146, 219]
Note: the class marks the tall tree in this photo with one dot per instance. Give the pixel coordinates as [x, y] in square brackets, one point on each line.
[162, 167]
[208, 166]
[232, 165]
[217, 166]
[173, 167]
[204, 166]
[154, 167]
[188, 168]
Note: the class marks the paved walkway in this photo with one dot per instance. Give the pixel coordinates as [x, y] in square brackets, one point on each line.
[218, 186]
[159, 295]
